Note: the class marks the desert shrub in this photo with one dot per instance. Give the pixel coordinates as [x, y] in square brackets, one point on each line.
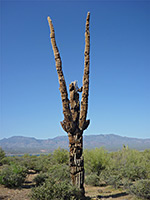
[13, 175]
[2, 156]
[56, 172]
[126, 164]
[32, 162]
[96, 160]
[26, 161]
[141, 189]
[43, 163]
[29, 161]
[40, 178]
[55, 185]
[146, 162]
[92, 179]
[5, 161]
[125, 167]
[59, 172]
[134, 165]
[16, 160]
[61, 156]
[53, 190]
[111, 177]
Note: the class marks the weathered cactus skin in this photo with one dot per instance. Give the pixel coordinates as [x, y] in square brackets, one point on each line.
[74, 122]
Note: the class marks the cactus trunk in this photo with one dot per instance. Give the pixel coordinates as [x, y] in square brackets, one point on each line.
[76, 160]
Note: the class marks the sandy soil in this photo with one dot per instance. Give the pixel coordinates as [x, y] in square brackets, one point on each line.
[104, 193]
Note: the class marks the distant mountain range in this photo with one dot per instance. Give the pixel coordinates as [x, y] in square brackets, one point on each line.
[111, 142]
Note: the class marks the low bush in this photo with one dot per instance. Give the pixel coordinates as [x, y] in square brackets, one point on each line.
[92, 179]
[2, 156]
[61, 156]
[125, 166]
[5, 161]
[29, 161]
[59, 172]
[40, 179]
[13, 176]
[53, 190]
[55, 185]
[43, 163]
[141, 189]
[112, 179]
[96, 160]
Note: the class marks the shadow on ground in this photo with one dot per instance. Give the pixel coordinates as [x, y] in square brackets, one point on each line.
[3, 197]
[27, 185]
[113, 195]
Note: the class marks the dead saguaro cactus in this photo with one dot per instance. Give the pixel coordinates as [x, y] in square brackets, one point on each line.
[75, 113]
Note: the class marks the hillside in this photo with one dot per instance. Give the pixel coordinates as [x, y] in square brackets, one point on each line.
[20, 144]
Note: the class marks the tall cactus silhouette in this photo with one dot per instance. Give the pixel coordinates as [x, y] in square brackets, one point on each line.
[75, 113]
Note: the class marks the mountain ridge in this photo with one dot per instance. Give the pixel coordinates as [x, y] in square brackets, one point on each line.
[111, 142]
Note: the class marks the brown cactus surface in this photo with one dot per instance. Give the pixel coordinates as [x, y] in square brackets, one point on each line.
[74, 122]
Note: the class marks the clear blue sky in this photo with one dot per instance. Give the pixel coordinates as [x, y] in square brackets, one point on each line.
[119, 100]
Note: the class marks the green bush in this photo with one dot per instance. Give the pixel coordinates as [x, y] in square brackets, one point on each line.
[37, 163]
[43, 163]
[56, 172]
[146, 162]
[12, 159]
[5, 161]
[96, 160]
[2, 156]
[13, 176]
[59, 172]
[53, 190]
[125, 166]
[29, 161]
[141, 189]
[61, 156]
[92, 179]
[40, 178]
[111, 177]
[55, 185]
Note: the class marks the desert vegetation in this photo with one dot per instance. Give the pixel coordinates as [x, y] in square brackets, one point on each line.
[126, 171]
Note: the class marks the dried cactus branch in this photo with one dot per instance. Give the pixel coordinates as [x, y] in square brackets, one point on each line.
[85, 91]
[62, 83]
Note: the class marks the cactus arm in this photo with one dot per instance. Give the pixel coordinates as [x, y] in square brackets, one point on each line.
[85, 91]
[61, 79]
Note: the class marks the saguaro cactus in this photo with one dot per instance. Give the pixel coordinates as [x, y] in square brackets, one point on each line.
[74, 122]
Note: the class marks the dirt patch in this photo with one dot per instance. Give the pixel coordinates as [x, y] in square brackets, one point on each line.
[11, 194]
[107, 192]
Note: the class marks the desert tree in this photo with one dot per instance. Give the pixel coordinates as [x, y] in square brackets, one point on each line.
[74, 111]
